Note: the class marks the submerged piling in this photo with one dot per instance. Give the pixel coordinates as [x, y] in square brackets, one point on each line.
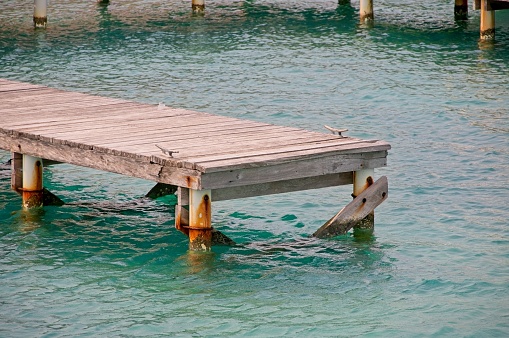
[198, 6]
[366, 11]
[461, 9]
[200, 220]
[40, 13]
[32, 191]
[487, 21]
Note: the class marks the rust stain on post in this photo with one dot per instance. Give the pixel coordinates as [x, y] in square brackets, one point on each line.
[200, 227]
[198, 6]
[358, 188]
[32, 191]
[191, 181]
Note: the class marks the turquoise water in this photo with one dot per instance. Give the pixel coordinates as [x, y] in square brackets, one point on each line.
[110, 263]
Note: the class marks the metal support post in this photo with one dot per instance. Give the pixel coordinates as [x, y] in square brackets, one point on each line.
[200, 220]
[362, 179]
[32, 190]
[366, 11]
[198, 6]
[487, 21]
[40, 15]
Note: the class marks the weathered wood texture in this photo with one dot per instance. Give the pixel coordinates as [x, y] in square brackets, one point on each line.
[356, 210]
[214, 152]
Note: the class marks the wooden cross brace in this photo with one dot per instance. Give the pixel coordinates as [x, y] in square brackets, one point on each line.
[356, 210]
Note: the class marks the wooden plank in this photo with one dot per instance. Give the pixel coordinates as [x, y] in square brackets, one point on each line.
[19, 87]
[113, 116]
[162, 135]
[264, 157]
[139, 122]
[356, 210]
[189, 145]
[293, 170]
[93, 158]
[17, 95]
[49, 102]
[63, 109]
[270, 143]
[239, 145]
[257, 143]
[281, 187]
[114, 119]
[270, 158]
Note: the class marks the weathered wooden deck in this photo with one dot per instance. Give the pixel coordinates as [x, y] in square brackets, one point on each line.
[236, 158]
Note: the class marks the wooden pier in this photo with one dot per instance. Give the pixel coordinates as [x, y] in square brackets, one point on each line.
[206, 157]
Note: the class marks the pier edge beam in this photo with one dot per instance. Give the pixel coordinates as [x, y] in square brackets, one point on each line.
[461, 9]
[487, 21]
[198, 6]
[40, 13]
[200, 220]
[366, 11]
[362, 179]
[32, 191]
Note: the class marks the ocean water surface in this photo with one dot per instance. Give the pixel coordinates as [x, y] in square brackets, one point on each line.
[110, 263]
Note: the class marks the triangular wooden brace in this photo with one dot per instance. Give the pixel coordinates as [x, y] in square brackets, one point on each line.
[356, 210]
[160, 190]
[48, 198]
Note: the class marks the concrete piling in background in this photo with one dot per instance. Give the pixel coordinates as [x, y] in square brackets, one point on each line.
[461, 9]
[487, 21]
[366, 11]
[40, 13]
[198, 6]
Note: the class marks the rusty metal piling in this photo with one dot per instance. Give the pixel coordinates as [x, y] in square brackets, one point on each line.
[40, 13]
[198, 6]
[32, 190]
[366, 11]
[200, 220]
[487, 21]
[362, 179]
